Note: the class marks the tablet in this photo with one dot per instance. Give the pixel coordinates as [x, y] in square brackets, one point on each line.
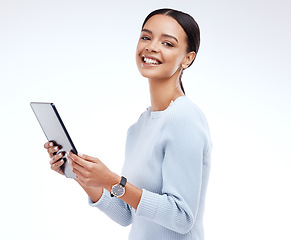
[54, 130]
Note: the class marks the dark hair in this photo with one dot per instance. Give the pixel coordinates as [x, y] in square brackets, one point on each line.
[189, 26]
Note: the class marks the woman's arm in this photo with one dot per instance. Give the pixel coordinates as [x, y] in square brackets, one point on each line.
[185, 166]
[121, 212]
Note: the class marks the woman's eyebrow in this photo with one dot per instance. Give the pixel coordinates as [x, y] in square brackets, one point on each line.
[164, 35]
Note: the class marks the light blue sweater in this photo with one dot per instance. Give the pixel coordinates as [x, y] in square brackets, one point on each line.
[168, 156]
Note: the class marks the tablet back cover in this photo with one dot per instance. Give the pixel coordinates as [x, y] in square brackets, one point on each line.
[54, 129]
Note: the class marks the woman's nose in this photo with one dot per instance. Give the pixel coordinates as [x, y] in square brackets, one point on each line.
[153, 47]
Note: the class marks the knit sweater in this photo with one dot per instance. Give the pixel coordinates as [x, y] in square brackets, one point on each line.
[167, 155]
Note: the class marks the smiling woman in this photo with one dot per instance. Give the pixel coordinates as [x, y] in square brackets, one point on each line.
[178, 24]
[167, 158]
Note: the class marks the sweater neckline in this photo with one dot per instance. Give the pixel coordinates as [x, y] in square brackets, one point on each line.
[157, 114]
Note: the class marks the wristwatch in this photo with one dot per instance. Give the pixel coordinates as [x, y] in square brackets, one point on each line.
[118, 189]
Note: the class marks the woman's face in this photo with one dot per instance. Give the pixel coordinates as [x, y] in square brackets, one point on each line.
[161, 49]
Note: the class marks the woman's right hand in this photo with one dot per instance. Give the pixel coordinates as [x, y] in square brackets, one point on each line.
[56, 159]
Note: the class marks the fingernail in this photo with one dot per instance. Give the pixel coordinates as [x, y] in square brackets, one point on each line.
[51, 144]
[80, 154]
[56, 148]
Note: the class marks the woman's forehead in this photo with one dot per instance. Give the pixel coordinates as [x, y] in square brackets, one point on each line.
[163, 24]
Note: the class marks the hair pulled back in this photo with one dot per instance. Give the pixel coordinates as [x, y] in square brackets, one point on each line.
[189, 26]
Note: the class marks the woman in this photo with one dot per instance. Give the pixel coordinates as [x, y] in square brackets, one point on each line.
[167, 155]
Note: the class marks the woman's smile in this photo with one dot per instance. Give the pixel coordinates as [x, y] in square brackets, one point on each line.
[150, 60]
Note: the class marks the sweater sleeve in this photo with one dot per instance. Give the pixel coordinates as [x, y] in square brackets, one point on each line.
[176, 207]
[114, 208]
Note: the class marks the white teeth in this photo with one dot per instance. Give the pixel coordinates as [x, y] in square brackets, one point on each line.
[150, 61]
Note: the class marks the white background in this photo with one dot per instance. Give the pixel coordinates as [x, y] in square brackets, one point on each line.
[81, 56]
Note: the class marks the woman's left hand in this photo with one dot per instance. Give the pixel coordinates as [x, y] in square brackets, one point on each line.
[91, 172]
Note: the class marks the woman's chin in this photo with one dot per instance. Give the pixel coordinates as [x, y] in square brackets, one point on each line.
[149, 73]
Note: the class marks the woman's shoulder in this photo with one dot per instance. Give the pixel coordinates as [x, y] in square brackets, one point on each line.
[185, 120]
[184, 109]
[185, 116]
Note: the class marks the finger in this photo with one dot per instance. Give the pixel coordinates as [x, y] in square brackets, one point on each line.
[53, 150]
[56, 158]
[79, 171]
[57, 166]
[77, 159]
[60, 171]
[88, 158]
[76, 166]
[48, 145]
[79, 174]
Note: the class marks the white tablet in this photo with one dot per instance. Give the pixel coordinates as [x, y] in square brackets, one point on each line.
[54, 130]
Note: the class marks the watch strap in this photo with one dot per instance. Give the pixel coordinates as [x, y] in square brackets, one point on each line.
[123, 181]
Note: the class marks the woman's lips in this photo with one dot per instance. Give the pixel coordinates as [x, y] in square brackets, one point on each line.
[149, 60]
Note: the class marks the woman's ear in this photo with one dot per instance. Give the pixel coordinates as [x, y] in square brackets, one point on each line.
[188, 59]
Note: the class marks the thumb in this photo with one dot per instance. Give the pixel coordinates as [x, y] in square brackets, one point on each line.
[88, 158]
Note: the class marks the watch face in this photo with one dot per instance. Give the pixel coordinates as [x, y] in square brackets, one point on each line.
[118, 190]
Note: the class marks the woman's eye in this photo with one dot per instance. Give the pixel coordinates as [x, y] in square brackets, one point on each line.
[145, 38]
[168, 44]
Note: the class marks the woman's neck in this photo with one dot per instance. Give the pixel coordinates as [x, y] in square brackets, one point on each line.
[163, 92]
